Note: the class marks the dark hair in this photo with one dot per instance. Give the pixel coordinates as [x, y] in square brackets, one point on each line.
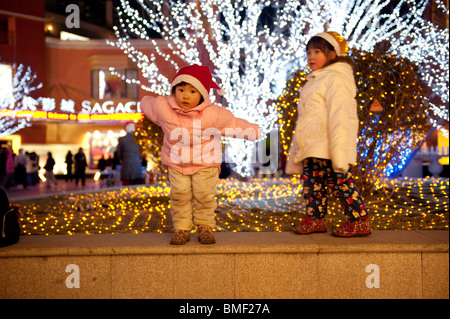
[183, 84]
[324, 46]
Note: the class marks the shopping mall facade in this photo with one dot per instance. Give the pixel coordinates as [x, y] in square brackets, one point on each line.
[80, 104]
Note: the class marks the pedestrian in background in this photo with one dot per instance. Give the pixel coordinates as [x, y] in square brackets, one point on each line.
[8, 179]
[130, 158]
[49, 175]
[80, 167]
[32, 168]
[20, 171]
[69, 163]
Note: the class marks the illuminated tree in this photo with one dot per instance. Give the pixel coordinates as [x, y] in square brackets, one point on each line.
[149, 138]
[17, 99]
[392, 109]
[253, 45]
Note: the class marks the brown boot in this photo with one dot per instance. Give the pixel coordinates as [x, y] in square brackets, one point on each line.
[180, 237]
[205, 235]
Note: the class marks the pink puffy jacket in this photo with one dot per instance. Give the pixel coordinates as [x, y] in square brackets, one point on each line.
[192, 139]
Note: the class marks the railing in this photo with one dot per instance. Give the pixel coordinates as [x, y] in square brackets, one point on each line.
[433, 154]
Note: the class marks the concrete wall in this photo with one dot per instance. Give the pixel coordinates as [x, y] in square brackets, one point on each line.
[403, 264]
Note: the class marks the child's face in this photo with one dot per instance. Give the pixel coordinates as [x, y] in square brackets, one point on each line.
[187, 96]
[316, 58]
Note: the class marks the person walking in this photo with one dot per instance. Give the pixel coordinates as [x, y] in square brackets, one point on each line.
[20, 171]
[49, 175]
[9, 169]
[80, 167]
[129, 157]
[69, 164]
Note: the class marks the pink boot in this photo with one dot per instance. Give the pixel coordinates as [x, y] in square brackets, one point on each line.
[357, 228]
[311, 225]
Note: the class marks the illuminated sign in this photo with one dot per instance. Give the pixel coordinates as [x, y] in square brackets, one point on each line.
[109, 107]
[44, 115]
[49, 104]
[90, 111]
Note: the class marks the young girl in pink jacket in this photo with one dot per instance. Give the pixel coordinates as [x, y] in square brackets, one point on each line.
[324, 143]
[192, 149]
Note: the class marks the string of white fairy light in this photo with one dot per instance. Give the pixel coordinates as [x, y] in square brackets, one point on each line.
[16, 100]
[253, 60]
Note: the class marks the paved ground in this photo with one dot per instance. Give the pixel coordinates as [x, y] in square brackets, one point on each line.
[40, 190]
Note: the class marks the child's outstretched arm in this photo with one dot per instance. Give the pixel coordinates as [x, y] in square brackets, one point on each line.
[232, 126]
[148, 107]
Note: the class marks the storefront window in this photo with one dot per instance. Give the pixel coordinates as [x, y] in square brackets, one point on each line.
[6, 86]
[103, 144]
[106, 85]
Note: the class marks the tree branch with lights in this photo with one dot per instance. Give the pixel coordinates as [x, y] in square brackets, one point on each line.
[17, 99]
[252, 46]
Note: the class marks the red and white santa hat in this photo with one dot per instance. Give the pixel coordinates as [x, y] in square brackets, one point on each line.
[199, 77]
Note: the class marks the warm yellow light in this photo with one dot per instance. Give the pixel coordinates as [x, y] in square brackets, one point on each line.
[42, 175]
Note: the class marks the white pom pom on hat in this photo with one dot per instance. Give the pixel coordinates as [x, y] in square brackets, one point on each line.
[199, 77]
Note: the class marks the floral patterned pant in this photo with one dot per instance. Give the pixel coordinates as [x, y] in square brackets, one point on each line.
[319, 180]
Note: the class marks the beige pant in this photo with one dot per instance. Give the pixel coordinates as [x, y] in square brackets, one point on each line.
[192, 198]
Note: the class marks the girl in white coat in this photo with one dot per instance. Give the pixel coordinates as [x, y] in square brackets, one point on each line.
[324, 143]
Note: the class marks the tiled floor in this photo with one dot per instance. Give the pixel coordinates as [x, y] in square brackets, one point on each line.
[41, 189]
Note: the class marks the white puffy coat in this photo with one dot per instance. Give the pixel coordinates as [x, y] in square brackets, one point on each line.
[327, 124]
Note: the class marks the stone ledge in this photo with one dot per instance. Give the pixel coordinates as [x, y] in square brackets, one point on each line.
[227, 243]
[412, 264]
